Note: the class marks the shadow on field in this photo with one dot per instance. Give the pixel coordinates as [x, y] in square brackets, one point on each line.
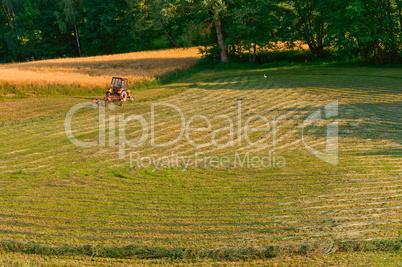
[341, 83]
[370, 97]
[317, 78]
[381, 121]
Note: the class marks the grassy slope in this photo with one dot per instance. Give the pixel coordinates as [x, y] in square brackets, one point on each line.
[55, 193]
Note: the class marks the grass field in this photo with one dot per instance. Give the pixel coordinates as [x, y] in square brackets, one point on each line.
[383, 259]
[68, 204]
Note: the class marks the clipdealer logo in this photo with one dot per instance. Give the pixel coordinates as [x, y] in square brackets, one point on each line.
[237, 129]
[331, 153]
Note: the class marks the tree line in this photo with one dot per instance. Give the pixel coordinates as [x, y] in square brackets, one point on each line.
[40, 29]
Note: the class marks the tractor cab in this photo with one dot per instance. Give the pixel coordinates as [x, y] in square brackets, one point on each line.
[118, 84]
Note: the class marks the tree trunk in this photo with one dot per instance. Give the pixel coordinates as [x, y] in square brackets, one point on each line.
[171, 40]
[255, 52]
[393, 45]
[400, 14]
[78, 40]
[380, 54]
[224, 54]
[9, 19]
[315, 50]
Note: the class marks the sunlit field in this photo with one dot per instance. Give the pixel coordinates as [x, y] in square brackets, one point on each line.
[70, 203]
[97, 71]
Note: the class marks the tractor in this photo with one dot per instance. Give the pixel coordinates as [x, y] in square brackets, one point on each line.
[118, 91]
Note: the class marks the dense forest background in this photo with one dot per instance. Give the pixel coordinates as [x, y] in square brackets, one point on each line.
[369, 30]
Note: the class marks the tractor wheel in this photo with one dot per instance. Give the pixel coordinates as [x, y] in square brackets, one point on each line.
[123, 97]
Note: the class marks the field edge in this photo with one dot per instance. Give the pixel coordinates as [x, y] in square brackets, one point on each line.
[323, 247]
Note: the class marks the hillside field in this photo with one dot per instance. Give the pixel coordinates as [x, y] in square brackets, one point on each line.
[91, 74]
[115, 205]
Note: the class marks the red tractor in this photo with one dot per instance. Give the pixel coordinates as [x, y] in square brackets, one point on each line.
[118, 91]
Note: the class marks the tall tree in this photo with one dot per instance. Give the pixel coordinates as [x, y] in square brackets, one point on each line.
[306, 21]
[115, 26]
[206, 15]
[68, 16]
[370, 29]
[159, 20]
[23, 37]
[251, 25]
[218, 7]
[8, 11]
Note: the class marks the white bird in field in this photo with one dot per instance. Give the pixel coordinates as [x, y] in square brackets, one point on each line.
[265, 76]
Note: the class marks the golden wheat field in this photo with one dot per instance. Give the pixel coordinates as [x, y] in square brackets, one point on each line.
[97, 71]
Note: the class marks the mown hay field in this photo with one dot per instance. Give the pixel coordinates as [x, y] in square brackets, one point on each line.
[381, 259]
[62, 196]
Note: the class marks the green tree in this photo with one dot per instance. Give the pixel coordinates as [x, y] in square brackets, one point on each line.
[115, 26]
[370, 29]
[206, 16]
[306, 21]
[159, 20]
[23, 35]
[5, 26]
[251, 25]
[69, 16]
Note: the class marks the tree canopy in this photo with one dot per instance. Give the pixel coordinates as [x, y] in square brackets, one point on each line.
[41, 29]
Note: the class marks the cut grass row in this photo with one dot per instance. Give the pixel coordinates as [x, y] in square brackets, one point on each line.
[222, 254]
